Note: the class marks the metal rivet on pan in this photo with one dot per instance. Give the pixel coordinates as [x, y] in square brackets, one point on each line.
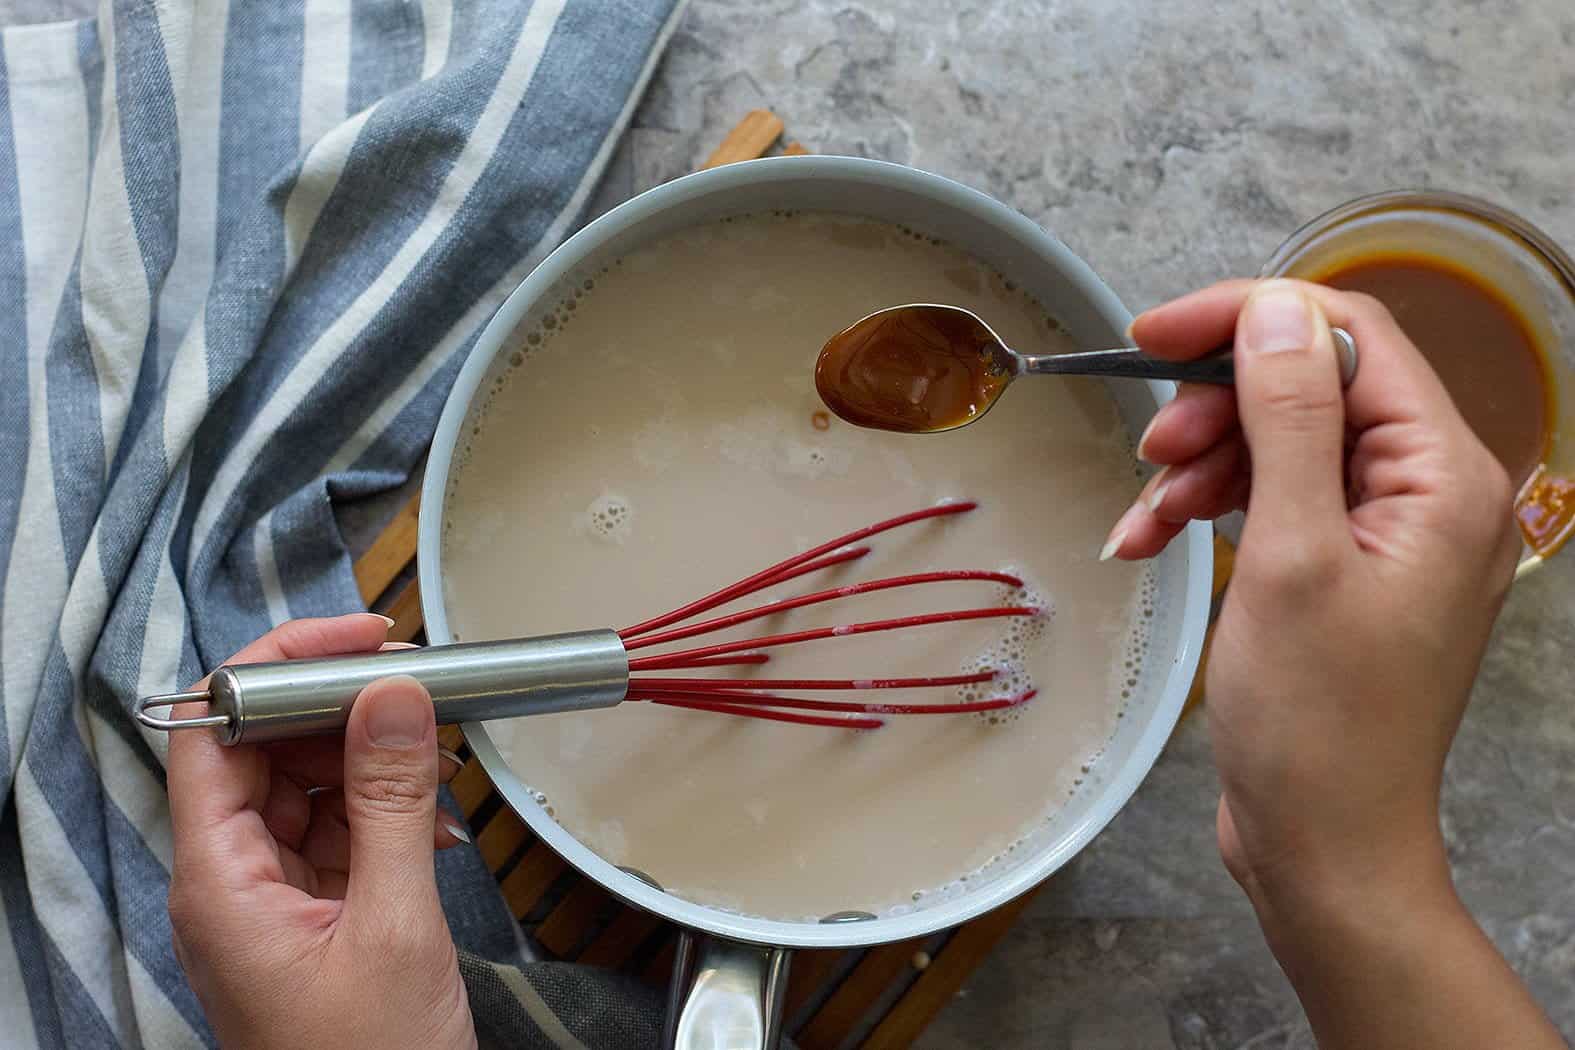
[847, 916]
[643, 877]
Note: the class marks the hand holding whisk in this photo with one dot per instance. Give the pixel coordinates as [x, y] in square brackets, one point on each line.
[477, 681]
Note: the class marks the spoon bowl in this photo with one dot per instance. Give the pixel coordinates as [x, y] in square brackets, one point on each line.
[916, 369]
[925, 368]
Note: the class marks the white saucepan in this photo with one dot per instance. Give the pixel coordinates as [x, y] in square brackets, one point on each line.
[731, 970]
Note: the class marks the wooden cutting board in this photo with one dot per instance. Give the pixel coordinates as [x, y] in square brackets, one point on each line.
[871, 998]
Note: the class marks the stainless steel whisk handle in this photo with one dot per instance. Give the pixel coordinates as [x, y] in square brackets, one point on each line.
[469, 682]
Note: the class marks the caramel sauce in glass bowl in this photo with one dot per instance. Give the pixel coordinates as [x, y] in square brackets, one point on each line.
[1490, 301]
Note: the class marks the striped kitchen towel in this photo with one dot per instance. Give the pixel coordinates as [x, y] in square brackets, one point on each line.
[244, 247]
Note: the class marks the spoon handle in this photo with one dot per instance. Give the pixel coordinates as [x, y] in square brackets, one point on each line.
[1219, 368]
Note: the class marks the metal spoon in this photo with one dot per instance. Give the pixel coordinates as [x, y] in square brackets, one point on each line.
[925, 368]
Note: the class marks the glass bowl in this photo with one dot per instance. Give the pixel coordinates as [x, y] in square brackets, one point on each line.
[1505, 252]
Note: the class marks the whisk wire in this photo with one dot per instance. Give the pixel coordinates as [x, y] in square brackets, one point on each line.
[744, 696]
[775, 573]
[867, 587]
[761, 698]
[833, 721]
[824, 683]
[662, 661]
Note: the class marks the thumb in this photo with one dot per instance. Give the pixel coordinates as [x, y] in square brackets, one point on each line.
[1292, 412]
[390, 789]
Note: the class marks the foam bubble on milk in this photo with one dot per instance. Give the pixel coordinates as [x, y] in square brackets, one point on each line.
[1128, 676]
[1007, 656]
[814, 461]
[608, 518]
[499, 732]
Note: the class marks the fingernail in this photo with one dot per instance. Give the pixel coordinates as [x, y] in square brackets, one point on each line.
[457, 831]
[386, 619]
[1278, 318]
[1156, 492]
[448, 756]
[1118, 536]
[1142, 446]
[399, 716]
[1131, 325]
[1113, 544]
[389, 647]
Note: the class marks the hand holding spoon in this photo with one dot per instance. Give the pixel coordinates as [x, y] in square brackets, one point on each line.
[923, 368]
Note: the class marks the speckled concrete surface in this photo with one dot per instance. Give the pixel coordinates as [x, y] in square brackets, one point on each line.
[1169, 145]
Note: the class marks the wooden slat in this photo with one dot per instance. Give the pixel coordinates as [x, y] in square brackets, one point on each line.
[406, 612]
[616, 945]
[795, 149]
[808, 973]
[750, 139]
[470, 787]
[562, 930]
[660, 968]
[504, 834]
[535, 874]
[836, 1020]
[944, 976]
[388, 555]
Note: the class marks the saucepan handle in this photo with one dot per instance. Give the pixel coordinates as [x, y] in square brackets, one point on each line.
[725, 995]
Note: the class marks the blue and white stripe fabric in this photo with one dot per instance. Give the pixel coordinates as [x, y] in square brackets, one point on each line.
[244, 248]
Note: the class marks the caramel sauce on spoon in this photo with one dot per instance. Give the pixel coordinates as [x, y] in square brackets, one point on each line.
[913, 369]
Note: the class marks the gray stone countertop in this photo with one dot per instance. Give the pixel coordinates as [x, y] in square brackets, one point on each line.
[1172, 144]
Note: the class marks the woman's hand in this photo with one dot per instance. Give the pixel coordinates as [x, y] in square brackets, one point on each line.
[1378, 547]
[303, 898]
